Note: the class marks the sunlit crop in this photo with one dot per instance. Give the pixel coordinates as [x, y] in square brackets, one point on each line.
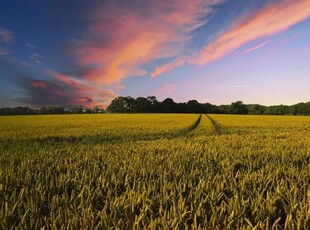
[154, 171]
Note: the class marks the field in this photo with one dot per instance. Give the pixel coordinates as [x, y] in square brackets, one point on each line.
[154, 171]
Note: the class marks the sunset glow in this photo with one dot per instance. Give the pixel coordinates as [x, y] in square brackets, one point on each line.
[69, 53]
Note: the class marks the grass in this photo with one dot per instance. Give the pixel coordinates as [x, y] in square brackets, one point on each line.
[146, 171]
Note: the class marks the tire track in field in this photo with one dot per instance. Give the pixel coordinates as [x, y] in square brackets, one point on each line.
[218, 129]
[183, 132]
[99, 139]
[192, 127]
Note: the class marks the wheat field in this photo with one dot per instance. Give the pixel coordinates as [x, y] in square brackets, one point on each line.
[154, 171]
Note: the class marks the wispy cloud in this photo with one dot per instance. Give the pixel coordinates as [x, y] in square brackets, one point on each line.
[4, 51]
[121, 38]
[82, 92]
[228, 86]
[273, 18]
[62, 89]
[33, 55]
[256, 47]
[169, 67]
[166, 89]
[47, 87]
[26, 64]
[42, 92]
[6, 36]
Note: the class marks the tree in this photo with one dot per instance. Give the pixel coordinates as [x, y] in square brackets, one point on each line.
[122, 105]
[256, 109]
[76, 109]
[88, 110]
[168, 106]
[238, 108]
[154, 104]
[303, 108]
[142, 105]
[54, 109]
[42, 110]
[209, 108]
[224, 109]
[193, 106]
[96, 109]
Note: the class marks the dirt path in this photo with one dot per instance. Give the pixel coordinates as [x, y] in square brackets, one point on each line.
[218, 129]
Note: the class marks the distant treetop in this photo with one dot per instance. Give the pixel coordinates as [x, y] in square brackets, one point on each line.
[150, 104]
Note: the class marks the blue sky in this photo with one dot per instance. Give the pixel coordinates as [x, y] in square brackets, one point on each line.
[56, 52]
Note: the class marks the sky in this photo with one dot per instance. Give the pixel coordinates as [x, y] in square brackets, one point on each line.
[55, 52]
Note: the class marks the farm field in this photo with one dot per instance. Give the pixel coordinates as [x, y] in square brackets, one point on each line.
[154, 171]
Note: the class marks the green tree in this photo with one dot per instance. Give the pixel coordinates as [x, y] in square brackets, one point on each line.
[193, 106]
[168, 106]
[256, 109]
[238, 108]
[142, 105]
[122, 105]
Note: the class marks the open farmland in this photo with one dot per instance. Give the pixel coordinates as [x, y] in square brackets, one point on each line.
[154, 171]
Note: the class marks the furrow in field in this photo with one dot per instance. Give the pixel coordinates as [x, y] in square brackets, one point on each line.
[103, 138]
[192, 127]
[218, 129]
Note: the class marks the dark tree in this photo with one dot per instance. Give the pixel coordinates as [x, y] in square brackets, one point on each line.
[209, 108]
[193, 106]
[256, 109]
[55, 109]
[224, 109]
[238, 108]
[142, 105]
[96, 109]
[168, 106]
[154, 104]
[122, 105]
[76, 109]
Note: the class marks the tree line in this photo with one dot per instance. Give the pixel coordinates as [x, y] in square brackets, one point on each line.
[57, 109]
[152, 105]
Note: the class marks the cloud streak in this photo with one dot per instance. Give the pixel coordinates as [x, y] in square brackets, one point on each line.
[180, 61]
[6, 36]
[273, 18]
[81, 92]
[256, 47]
[34, 56]
[228, 86]
[166, 89]
[64, 90]
[4, 51]
[121, 38]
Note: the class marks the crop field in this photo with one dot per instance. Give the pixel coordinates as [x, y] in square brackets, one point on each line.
[154, 171]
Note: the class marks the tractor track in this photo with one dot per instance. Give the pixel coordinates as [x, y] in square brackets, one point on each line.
[99, 139]
[218, 129]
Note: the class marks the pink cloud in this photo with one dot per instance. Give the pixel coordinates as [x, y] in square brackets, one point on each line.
[69, 81]
[39, 84]
[4, 51]
[6, 36]
[120, 39]
[42, 93]
[169, 67]
[256, 47]
[79, 92]
[166, 89]
[273, 18]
